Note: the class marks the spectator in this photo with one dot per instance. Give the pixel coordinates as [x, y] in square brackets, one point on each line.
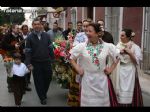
[46, 27]
[11, 44]
[106, 36]
[54, 32]
[68, 30]
[79, 27]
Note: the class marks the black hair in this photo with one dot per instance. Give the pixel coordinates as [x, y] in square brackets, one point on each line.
[17, 56]
[36, 19]
[55, 23]
[96, 27]
[24, 26]
[12, 27]
[87, 20]
[100, 20]
[79, 22]
[128, 33]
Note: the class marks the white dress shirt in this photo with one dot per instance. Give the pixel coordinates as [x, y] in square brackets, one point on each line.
[19, 70]
[25, 37]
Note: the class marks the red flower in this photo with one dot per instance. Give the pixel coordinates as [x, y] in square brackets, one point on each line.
[88, 52]
[62, 54]
[62, 49]
[96, 61]
[63, 44]
[57, 52]
[94, 54]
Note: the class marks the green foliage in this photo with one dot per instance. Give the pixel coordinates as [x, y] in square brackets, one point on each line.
[9, 17]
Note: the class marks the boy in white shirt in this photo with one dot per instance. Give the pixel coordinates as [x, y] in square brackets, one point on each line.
[19, 70]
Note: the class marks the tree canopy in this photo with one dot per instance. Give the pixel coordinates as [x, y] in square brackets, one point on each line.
[12, 15]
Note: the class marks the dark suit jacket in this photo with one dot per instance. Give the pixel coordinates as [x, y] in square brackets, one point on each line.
[107, 37]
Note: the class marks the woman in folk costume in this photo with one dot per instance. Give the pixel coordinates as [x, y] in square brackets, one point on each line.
[127, 82]
[74, 90]
[95, 86]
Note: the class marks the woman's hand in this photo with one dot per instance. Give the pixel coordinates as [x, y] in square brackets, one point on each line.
[127, 50]
[77, 68]
[30, 67]
[107, 70]
[81, 71]
[122, 51]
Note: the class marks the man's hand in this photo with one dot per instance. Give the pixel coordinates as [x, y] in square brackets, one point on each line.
[81, 71]
[17, 46]
[30, 67]
[24, 51]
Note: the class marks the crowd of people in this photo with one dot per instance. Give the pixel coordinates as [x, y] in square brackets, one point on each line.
[103, 74]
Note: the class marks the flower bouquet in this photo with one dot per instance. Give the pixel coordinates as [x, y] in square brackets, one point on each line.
[61, 53]
[8, 63]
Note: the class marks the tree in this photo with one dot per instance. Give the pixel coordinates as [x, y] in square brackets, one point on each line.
[1, 17]
[12, 15]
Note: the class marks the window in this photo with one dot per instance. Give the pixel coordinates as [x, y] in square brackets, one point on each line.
[74, 16]
[62, 20]
[146, 40]
[90, 12]
[112, 15]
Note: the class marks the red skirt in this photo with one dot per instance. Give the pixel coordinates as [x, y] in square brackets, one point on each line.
[112, 94]
[137, 100]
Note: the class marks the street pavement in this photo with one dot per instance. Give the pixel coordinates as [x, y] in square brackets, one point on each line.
[56, 95]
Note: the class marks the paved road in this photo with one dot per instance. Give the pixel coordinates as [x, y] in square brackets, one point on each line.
[56, 95]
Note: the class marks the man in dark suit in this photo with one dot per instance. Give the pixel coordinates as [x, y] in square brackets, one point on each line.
[38, 59]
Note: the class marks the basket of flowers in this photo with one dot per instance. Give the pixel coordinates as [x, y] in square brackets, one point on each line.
[8, 63]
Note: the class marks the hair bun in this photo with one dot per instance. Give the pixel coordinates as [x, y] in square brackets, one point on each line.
[132, 34]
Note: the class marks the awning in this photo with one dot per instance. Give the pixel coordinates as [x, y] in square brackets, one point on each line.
[59, 9]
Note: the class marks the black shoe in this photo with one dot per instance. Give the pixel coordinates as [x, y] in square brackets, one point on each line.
[28, 89]
[43, 102]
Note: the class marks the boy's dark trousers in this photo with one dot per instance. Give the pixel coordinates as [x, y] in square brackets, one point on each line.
[42, 75]
[18, 88]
